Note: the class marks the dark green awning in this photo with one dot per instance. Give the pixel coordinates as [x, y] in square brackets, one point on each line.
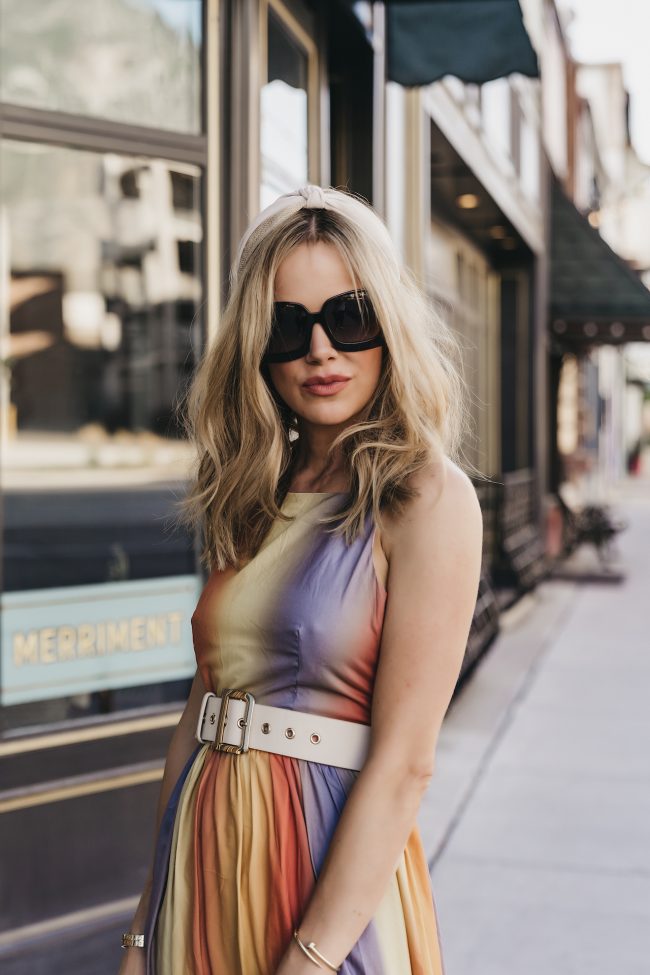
[596, 298]
[475, 40]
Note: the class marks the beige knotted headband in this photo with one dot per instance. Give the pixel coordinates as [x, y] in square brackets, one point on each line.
[314, 197]
[309, 195]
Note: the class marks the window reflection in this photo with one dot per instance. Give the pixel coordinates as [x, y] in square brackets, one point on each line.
[102, 283]
[134, 61]
[284, 114]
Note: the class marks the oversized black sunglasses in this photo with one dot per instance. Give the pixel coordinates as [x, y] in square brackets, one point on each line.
[348, 319]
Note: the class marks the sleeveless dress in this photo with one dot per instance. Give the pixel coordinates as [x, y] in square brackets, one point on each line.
[243, 837]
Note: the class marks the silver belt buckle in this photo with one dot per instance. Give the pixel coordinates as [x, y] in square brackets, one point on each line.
[244, 723]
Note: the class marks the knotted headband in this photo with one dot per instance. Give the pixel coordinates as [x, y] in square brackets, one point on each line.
[309, 195]
[365, 220]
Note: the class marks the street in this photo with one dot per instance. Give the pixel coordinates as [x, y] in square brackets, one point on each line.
[537, 819]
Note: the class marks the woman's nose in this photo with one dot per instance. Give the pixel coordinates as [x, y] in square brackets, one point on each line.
[319, 344]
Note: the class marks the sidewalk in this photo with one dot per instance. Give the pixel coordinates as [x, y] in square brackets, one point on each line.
[537, 820]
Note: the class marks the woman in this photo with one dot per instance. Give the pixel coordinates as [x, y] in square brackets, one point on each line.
[327, 413]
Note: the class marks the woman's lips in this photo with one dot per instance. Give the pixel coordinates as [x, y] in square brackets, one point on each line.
[325, 389]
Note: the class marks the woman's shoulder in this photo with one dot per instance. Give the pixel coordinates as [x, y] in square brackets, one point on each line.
[444, 496]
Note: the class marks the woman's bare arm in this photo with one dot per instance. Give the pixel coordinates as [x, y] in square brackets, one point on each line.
[434, 558]
[181, 746]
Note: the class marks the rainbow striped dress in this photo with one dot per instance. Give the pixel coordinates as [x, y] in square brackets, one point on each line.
[243, 837]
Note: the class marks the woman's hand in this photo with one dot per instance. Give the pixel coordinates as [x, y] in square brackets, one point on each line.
[133, 962]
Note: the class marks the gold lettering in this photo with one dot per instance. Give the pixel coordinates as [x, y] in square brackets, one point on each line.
[86, 640]
[118, 636]
[137, 633]
[51, 644]
[175, 627]
[67, 640]
[47, 645]
[25, 648]
[101, 639]
[156, 631]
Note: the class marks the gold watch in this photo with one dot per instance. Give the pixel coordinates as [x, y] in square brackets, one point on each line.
[130, 940]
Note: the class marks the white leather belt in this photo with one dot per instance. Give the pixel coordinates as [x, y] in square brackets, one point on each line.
[234, 723]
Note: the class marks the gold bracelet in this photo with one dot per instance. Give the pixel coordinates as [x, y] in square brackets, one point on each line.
[311, 947]
[304, 948]
[130, 940]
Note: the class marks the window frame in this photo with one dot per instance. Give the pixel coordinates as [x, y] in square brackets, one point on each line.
[303, 38]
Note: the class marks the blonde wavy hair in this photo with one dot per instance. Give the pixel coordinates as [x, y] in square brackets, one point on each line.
[246, 436]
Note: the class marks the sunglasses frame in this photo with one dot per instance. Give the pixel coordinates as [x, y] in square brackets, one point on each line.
[310, 320]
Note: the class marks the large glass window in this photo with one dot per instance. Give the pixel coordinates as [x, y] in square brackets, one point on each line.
[102, 287]
[284, 113]
[100, 295]
[134, 61]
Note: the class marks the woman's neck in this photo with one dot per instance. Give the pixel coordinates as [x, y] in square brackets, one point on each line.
[312, 469]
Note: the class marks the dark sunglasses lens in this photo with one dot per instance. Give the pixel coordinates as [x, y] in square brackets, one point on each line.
[287, 330]
[352, 320]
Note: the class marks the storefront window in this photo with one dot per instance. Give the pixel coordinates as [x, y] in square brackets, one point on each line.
[133, 61]
[284, 113]
[100, 296]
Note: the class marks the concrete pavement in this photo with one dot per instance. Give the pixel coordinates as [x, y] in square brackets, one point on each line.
[537, 820]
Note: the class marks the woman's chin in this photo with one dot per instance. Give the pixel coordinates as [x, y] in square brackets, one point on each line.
[326, 414]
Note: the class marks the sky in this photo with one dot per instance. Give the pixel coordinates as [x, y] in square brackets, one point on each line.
[618, 30]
